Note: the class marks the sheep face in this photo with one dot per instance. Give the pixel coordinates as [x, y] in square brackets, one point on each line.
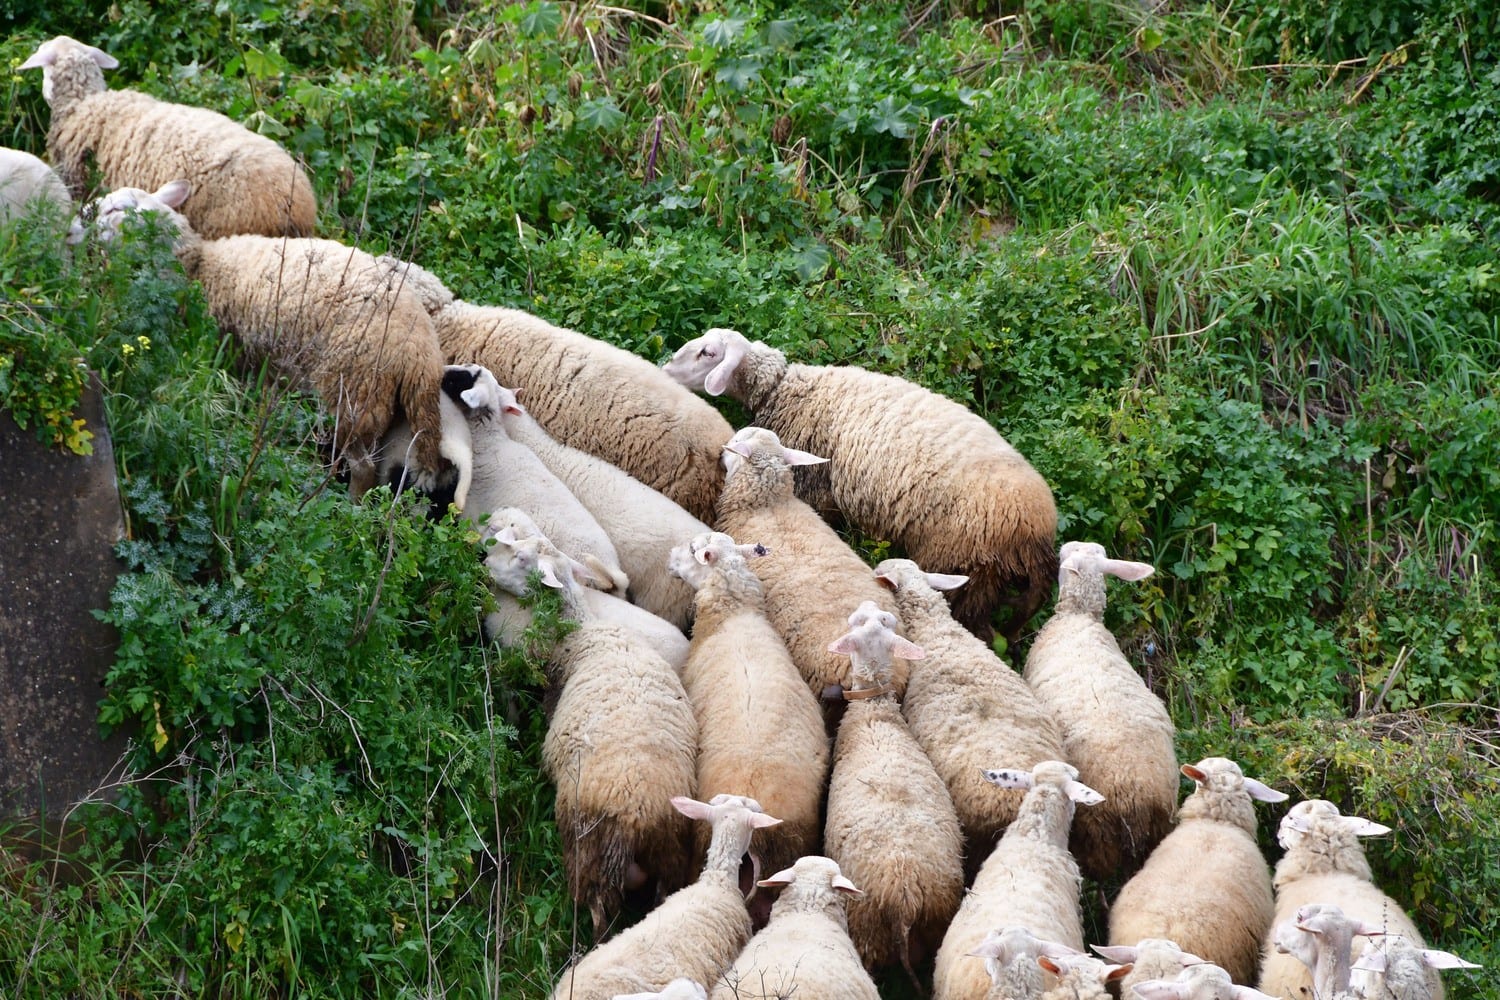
[63, 52]
[708, 363]
[107, 215]
[872, 644]
[1304, 817]
[693, 560]
[749, 442]
[485, 396]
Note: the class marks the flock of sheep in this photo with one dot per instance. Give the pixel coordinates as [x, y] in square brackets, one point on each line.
[850, 732]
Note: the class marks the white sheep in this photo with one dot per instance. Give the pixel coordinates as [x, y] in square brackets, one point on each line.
[518, 549]
[966, 706]
[905, 464]
[241, 182]
[891, 826]
[805, 950]
[642, 523]
[1114, 730]
[619, 747]
[811, 576]
[1324, 863]
[1149, 958]
[1320, 936]
[27, 183]
[1029, 880]
[1011, 958]
[677, 989]
[598, 398]
[1197, 982]
[326, 314]
[509, 474]
[1078, 977]
[1206, 885]
[457, 446]
[744, 686]
[696, 932]
[1393, 967]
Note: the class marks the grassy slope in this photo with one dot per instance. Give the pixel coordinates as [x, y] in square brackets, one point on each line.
[1235, 300]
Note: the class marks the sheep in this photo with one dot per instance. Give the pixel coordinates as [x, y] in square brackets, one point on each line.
[457, 444]
[906, 464]
[243, 182]
[598, 398]
[965, 705]
[743, 684]
[519, 549]
[509, 474]
[620, 745]
[810, 573]
[891, 826]
[1324, 863]
[805, 950]
[696, 932]
[1079, 977]
[1206, 885]
[27, 183]
[1319, 937]
[1029, 880]
[1114, 730]
[324, 313]
[1010, 957]
[1197, 982]
[1149, 958]
[1393, 967]
[642, 523]
[677, 989]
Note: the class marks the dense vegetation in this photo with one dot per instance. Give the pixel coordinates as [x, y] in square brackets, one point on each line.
[1226, 274]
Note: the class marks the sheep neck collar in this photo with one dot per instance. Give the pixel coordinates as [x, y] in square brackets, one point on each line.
[863, 694]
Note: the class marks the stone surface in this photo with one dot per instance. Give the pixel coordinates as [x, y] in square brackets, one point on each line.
[57, 565]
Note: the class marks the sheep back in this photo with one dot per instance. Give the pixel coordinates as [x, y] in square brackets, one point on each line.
[242, 182]
[325, 314]
[26, 180]
[743, 685]
[1116, 732]
[811, 579]
[797, 955]
[892, 829]
[620, 745]
[908, 464]
[1206, 887]
[599, 398]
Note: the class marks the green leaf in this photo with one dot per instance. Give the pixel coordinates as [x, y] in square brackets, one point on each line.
[541, 19]
[886, 117]
[599, 113]
[782, 33]
[264, 65]
[739, 73]
[724, 32]
[810, 261]
[1148, 38]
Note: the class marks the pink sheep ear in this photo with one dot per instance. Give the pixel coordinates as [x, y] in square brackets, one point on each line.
[848, 888]
[717, 381]
[45, 55]
[784, 877]
[1361, 827]
[1160, 989]
[101, 58]
[173, 193]
[706, 556]
[692, 808]
[741, 448]
[1116, 952]
[794, 456]
[1434, 959]
[1114, 972]
[1264, 792]
[846, 644]
[759, 821]
[550, 577]
[1126, 570]
[1194, 772]
[945, 581]
[906, 649]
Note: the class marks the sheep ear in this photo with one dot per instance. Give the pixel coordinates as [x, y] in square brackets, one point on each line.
[1264, 792]
[1434, 959]
[1160, 989]
[1082, 794]
[1126, 570]
[759, 821]
[1113, 972]
[741, 448]
[1372, 960]
[753, 551]
[945, 581]
[848, 888]
[590, 575]
[1008, 778]
[891, 582]
[784, 877]
[794, 456]
[173, 193]
[845, 644]
[1361, 827]
[718, 380]
[101, 58]
[45, 55]
[476, 398]
[1297, 822]
[1051, 964]
[706, 556]
[1117, 952]
[550, 577]
[692, 808]
[906, 649]
[1194, 772]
